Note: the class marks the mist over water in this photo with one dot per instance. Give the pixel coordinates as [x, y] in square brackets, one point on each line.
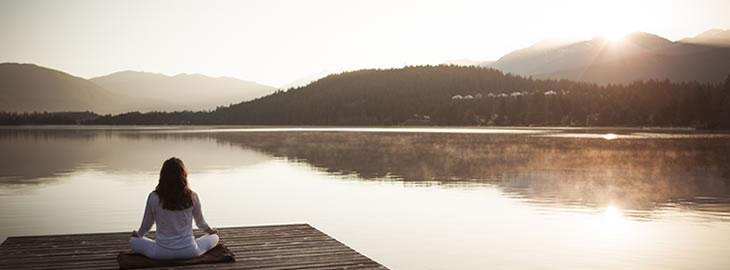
[409, 198]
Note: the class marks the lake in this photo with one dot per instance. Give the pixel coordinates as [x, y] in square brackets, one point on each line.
[409, 198]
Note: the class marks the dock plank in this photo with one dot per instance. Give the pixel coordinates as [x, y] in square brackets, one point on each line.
[272, 247]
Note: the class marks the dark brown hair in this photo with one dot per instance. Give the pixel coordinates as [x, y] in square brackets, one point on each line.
[173, 189]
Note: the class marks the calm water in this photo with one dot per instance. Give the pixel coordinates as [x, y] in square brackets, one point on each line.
[408, 198]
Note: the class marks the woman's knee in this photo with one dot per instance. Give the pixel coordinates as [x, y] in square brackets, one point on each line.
[133, 242]
[142, 245]
[208, 241]
[214, 239]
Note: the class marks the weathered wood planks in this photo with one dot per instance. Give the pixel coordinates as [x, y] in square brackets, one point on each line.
[295, 246]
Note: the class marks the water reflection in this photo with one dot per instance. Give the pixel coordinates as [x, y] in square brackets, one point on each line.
[34, 156]
[569, 170]
[643, 176]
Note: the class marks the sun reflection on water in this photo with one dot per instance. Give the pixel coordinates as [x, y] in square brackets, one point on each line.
[613, 220]
[610, 136]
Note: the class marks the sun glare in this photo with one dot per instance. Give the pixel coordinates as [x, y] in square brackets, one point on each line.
[615, 36]
[613, 220]
[611, 212]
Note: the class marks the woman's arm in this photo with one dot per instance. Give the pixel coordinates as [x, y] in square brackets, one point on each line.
[198, 216]
[149, 215]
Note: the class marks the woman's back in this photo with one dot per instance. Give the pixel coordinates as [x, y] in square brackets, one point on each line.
[174, 227]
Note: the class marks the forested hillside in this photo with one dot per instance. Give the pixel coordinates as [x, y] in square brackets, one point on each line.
[456, 95]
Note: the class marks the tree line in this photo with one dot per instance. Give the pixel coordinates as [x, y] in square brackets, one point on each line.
[46, 118]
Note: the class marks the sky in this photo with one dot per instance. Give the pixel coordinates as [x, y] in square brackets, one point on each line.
[279, 42]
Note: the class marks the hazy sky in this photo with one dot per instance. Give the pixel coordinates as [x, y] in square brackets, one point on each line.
[276, 42]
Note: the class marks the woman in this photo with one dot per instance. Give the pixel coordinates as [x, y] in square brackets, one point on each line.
[173, 206]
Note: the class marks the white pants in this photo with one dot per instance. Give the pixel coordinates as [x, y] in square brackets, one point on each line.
[151, 249]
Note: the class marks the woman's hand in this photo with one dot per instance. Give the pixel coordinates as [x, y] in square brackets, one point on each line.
[211, 230]
[134, 234]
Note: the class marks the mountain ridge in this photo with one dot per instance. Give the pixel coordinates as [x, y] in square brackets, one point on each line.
[33, 88]
[571, 60]
[717, 37]
[26, 87]
[187, 91]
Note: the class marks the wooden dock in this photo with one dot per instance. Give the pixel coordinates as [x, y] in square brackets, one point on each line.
[297, 246]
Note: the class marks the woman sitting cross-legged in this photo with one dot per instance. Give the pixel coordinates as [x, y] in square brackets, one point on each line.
[173, 206]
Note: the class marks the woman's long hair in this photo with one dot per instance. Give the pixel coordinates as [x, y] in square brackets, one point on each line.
[173, 189]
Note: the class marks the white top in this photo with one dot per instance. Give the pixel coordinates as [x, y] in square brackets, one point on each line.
[174, 228]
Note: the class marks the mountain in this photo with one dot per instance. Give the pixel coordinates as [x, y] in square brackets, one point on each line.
[539, 58]
[711, 65]
[183, 91]
[712, 37]
[639, 56]
[543, 58]
[31, 88]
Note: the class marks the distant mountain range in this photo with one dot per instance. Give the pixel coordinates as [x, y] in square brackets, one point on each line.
[31, 88]
[183, 91]
[639, 56]
[712, 37]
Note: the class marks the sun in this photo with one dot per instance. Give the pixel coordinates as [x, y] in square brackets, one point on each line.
[613, 221]
[615, 36]
[611, 212]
